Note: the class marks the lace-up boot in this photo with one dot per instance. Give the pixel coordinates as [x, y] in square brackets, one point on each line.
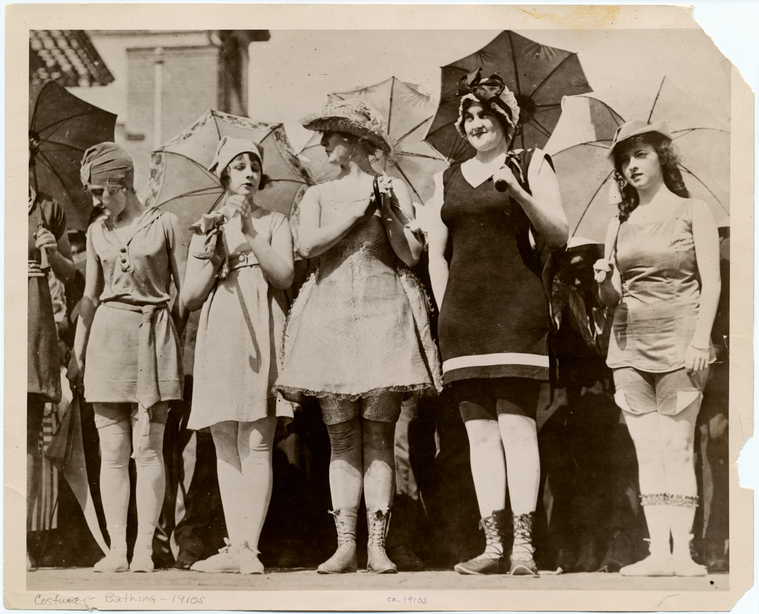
[491, 561]
[522, 563]
[377, 522]
[344, 559]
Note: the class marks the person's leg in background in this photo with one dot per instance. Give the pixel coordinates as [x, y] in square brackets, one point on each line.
[625, 526]
[712, 427]
[35, 408]
[406, 502]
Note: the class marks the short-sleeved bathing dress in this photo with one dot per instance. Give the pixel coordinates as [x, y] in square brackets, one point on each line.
[360, 325]
[239, 342]
[133, 347]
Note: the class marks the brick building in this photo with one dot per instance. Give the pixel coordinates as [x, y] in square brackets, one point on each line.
[164, 79]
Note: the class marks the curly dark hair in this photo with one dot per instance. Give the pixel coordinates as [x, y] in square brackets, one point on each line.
[668, 160]
[224, 179]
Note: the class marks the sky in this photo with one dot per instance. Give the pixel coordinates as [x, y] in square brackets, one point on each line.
[291, 74]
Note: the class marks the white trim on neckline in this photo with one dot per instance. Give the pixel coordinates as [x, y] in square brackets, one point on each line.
[476, 173]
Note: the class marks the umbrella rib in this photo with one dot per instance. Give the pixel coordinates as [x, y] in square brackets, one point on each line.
[540, 127]
[408, 181]
[60, 122]
[61, 144]
[420, 124]
[516, 71]
[548, 76]
[706, 186]
[686, 131]
[589, 203]
[390, 108]
[417, 155]
[653, 106]
[52, 168]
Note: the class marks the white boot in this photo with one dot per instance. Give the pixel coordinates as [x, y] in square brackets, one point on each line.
[681, 515]
[659, 561]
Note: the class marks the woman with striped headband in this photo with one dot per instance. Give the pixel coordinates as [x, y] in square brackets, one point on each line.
[127, 346]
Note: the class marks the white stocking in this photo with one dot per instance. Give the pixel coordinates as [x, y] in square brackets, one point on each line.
[488, 465]
[151, 483]
[115, 450]
[520, 443]
[244, 465]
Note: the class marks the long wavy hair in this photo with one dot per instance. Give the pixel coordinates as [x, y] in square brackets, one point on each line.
[668, 160]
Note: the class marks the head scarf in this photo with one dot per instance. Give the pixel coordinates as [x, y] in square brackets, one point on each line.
[107, 164]
[229, 148]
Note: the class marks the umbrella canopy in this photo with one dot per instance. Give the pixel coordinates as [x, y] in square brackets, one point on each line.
[540, 76]
[408, 114]
[61, 128]
[584, 135]
[179, 181]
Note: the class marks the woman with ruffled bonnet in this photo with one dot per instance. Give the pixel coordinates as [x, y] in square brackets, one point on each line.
[494, 311]
[661, 275]
[127, 346]
[358, 335]
[239, 264]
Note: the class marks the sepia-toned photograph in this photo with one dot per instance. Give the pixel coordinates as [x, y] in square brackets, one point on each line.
[377, 308]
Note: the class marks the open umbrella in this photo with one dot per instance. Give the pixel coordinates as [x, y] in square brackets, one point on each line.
[540, 76]
[179, 181]
[582, 139]
[61, 128]
[408, 114]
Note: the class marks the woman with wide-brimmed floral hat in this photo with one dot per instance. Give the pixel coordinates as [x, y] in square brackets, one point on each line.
[661, 274]
[501, 214]
[358, 335]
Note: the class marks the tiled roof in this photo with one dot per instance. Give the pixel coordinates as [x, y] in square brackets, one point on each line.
[65, 56]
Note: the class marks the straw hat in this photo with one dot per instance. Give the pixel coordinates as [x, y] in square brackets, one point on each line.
[354, 117]
[635, 128]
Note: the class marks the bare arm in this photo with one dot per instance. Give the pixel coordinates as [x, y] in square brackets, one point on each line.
[93, 287]
[606, 274]
[200, 274]
[314, 239]
[438, 240]
[178, 264]
[706, 240]
[58, 254]
[403, 241]
[543, 206]
[276, 259]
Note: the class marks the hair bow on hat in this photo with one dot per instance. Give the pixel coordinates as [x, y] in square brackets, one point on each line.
[483, 89]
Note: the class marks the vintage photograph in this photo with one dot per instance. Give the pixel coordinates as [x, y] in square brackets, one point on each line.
[429, 313]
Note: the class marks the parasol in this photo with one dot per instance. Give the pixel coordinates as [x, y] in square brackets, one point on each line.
[179, 181]
[408, 113]
[582, 140]
[538, 75]
[61, 128]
